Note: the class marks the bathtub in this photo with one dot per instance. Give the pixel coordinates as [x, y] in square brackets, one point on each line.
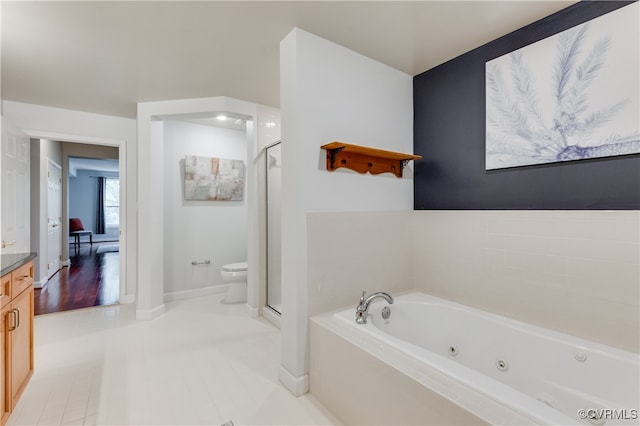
[504, 370]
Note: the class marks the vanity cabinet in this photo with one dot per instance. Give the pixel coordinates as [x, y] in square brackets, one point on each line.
[5, 398]
[16, 340]
[21, 343]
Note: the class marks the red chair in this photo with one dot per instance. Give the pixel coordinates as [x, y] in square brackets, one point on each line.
[76, 230]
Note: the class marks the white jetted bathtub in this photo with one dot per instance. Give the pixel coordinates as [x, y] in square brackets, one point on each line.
[545, 376]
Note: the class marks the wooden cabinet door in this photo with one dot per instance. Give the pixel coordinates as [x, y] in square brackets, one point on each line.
[5, 399]
[5, 290]
[21, 279]
[21, 344]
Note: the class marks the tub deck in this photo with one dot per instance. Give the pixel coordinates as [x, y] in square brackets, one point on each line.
[365, 382]
[392, 372]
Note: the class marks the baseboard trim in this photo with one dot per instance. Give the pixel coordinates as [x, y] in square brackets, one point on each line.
[253, 312]
[66, 262]
[127, 298]
[147, 315]
[298, 386]
[41, 283]
[270, 316]
[188, 294]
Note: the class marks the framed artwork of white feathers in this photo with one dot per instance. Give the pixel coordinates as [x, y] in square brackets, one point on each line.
[571, 96]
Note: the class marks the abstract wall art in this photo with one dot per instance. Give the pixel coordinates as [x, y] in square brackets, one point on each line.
[571, 96]
[213, 179]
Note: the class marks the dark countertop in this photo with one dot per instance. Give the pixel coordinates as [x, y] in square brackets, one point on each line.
[13, 261]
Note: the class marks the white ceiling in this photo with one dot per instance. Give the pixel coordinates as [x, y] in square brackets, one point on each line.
[104, 57]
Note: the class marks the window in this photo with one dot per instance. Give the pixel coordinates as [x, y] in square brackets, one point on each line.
[112, 203]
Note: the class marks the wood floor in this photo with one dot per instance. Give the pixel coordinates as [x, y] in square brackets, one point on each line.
[91, 280]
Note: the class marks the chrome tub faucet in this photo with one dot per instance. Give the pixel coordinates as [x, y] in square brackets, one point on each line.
[363, 305]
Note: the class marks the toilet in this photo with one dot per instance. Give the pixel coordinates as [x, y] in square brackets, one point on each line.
[235, 275]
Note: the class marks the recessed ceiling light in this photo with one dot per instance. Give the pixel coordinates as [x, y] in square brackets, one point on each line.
[221, 117]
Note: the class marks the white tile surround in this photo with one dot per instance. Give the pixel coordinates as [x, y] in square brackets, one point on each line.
[203, 362]
[352, 252]
[577, 272]
[573, 271]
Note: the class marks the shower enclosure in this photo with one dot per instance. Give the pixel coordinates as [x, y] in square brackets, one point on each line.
[274, 179]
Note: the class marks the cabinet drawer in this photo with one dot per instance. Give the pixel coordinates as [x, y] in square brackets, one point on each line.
[21, 279]
[5, 290]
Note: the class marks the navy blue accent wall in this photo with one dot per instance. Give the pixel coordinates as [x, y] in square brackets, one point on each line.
[449, 132]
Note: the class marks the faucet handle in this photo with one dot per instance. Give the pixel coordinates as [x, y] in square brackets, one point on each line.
[362, 297]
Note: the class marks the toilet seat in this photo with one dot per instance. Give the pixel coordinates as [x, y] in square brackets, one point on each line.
[234, 275]
[235, 267]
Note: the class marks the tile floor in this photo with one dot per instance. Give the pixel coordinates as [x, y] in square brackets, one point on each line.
[202, 362]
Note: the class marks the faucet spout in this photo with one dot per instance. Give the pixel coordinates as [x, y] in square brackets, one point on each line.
[363, 306]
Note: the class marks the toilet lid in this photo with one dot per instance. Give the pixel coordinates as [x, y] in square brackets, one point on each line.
[235, 267]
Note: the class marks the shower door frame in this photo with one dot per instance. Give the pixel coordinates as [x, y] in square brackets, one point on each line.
[277, 309]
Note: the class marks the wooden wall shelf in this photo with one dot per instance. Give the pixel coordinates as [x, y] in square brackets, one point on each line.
[363, 159]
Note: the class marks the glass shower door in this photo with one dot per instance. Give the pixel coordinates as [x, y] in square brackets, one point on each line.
[274, 185]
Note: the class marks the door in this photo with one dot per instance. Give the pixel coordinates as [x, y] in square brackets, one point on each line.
[15, 211]
[274, 197]
[54, 218]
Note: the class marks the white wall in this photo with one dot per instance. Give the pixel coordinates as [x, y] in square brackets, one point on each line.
[200, 230]
[42, 151]
[74, 126]
[331, 93]
[150, 172]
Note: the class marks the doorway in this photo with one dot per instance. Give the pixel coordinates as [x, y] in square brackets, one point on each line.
[88, 181]
[93, 194]
[274, 203]
[54, 218]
